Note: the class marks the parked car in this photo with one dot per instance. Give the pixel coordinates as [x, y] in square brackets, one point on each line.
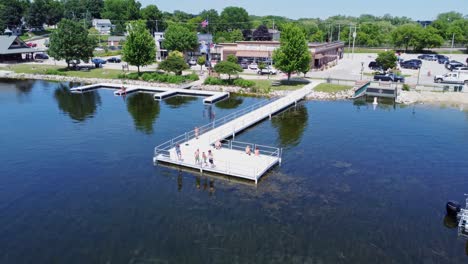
[98, 61]
[253, 66]
[114, 60]
[429, 57]
[41, 56]
[192, 61]
[267, 70]
[453, 64]
[31, 44]
[452, 77]
[461, 69]
[410, 64]
[244, 65]
[442, 59]
[389, 77]
[373, 65]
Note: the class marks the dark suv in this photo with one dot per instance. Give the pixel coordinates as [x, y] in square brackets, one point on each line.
[373, 65]
[410, 64]
[442, 59]
[389, 77]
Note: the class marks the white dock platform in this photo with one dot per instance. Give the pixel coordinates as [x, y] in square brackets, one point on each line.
[231, 159]
[161, 93]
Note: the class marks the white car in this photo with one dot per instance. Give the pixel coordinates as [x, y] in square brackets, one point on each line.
[192, 61]
[461, 69]
[267, 70]
[253, 66]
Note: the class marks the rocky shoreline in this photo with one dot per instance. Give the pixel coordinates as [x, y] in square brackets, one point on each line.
[405, 97]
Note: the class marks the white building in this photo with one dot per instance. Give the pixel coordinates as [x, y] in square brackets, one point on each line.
[104, 26]
[161, 53]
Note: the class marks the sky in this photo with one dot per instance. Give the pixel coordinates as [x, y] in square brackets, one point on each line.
[415, 9]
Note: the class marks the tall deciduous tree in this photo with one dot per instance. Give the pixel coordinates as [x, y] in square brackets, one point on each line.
[54, 12]
[120, 11]
[405, 35]
[293, 53]
[153, 17]
[235, 18]
[12, 11]
[201, 61]
[71, 42]
[139, 48]
[236, 35]
[179, 38]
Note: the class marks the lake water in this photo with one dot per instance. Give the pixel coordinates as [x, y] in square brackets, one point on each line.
[357, 185]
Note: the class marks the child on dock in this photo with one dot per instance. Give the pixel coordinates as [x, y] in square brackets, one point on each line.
[178, 152]
[210, 158]
[204, 158]
[257, 152]
[247, 150]
[197, 156]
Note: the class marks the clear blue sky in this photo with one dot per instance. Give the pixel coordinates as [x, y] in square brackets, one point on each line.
[416, 9]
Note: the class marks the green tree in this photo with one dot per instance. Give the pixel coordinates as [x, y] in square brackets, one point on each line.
[139, 48]
[179, 38]
[293, 53]
[235, 18]
[120, 11]
[227, 67]
[12, 11]
[82, 9]
[153, 18]
[406, 35]
[36, 14]
[236, 35]
[261, 66]
[71, 41]
[201, 61]
[232, 58]
[54, 12]
[427, 38]
[213, 19]
[174, 63]
[387, 59]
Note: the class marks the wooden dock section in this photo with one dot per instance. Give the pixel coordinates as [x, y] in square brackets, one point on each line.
[161, 93]
[231, 159]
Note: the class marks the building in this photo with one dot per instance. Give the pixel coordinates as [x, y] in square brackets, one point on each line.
[161, 53]
[103, 26]
[275, 34]
[12, 48]
[115, 41]
[254, 51]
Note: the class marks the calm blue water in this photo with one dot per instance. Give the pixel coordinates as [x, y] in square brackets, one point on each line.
[357, 185]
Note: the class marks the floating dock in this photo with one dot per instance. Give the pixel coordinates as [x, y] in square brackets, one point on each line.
[231, 159]
[161, 93]
[376, 89]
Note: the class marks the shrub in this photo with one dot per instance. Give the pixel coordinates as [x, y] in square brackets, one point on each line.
[192, 77]
[244, 83]
[54, 72]
[213, 81]
[406, 87]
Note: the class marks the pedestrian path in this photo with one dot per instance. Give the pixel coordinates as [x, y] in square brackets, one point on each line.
[231, 159]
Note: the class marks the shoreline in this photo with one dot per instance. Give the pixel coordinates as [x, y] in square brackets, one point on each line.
[457, 99]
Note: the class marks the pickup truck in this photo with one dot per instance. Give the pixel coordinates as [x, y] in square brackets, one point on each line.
[267, 70]
[389, 77]
[452, 77]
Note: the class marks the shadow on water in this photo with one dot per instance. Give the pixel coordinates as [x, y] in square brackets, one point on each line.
[144, 110]
[450, 222]
[178, 101]
[78, 106]
[291, 125]
[230, 103]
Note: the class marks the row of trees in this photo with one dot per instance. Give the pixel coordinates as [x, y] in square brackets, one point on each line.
[235, 23]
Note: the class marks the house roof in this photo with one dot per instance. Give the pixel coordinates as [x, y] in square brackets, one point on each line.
[102, 21]
[13, 45]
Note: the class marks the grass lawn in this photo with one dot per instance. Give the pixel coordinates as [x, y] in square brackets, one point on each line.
[265, 86]
[60, 70]
[331, 88]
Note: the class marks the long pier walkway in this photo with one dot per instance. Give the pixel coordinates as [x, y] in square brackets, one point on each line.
[231, 158]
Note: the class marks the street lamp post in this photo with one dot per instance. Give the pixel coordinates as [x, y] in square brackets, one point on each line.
[362, 68]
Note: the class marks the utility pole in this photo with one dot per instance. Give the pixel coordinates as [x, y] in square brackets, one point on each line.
[273, 24]
[354, 39]
[331, 33]
[339, 31]
[451, 50]
[349, 40]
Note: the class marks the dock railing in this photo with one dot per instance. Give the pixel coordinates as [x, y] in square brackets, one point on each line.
[208, 127]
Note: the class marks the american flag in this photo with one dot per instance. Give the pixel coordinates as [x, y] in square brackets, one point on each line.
[204, 23]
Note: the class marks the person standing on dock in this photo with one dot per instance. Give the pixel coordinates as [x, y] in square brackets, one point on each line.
[247, 150]
[196, 132]
[204, 158]
[197, 156]
[178, 152]
[210, 158]
[257, 152]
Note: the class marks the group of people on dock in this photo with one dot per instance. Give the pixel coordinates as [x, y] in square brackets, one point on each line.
[248, 151]
[204, 157]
